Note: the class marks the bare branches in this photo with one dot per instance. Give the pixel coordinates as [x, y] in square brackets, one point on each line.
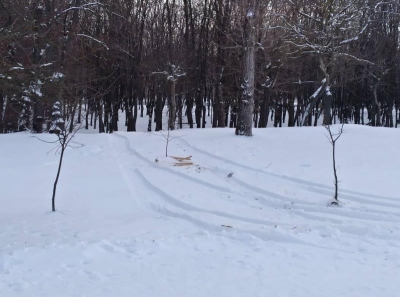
[334, 136]
[94, 39]
[82, 7]
[168, 139]
[172, 74]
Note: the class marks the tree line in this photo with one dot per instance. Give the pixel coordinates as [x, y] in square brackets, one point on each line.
[236, 63]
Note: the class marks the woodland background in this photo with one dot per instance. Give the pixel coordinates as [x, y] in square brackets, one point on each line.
[236, 63]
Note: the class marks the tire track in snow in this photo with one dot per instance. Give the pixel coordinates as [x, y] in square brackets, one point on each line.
[155, 207]
[298, 207]
[184, 176]
[341, 217]
[188, 207]
[355, 232]
[121, 169]
[308, 186]
[355, 199]
[285, 177]
[271, 194]
[309, 206]
[272, 233]
[319, 213]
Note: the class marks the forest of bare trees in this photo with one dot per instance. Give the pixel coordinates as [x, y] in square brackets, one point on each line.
[234, 63]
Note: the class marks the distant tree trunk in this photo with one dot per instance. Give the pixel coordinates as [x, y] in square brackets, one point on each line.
[291, 111]
[101, 123]
[278, 114]
[159, 109]
[172, 107]
[377, 108]
[1, 112]
[199, 105]
[141, 107]
[71, 126]
[203, 125]
[317, 113]
[79, 111]
[264, 109]
[135, 113]
[114, 119]
[327, 107]
[87, 118]
[313, 99]
[220, 107]
[246, 104]
[189, 107]
[95, 120]
[214, 101]
[150, 109]
[180, 111]
[131, 121]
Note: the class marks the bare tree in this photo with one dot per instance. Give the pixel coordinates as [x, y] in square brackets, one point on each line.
[65, 132]
[333, 137]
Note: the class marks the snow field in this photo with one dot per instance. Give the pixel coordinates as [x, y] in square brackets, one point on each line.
[249, 218]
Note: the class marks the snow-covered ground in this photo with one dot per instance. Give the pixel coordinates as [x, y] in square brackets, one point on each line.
[249, 218]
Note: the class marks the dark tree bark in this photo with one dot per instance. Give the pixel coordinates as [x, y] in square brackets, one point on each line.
[246, 104]
[1, 112]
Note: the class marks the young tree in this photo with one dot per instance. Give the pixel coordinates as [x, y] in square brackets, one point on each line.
[65, 132]
[333, 137]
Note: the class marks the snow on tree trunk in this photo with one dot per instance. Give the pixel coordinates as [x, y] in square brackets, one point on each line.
[313, 99]
[246, 104]
[327, 106]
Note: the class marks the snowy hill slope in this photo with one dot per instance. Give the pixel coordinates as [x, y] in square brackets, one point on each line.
[248, 218]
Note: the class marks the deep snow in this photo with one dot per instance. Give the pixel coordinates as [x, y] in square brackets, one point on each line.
[129, 223]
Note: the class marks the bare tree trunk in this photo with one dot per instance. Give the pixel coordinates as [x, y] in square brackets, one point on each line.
[2, 112]
[198, 110]
[87, 118]
[327, 107]
[333, 137]
[53, 199]
[220, 107]
[80, 111]
[71, 126]
[172, 107]
[203, 122]
[135, 113]
[377, 106]
[246, 104]
[100, 115]
[180, 108]
[264, 109]
[189, 108]
[291, 111]
[158, 114]
[313, 99]
[150, 109]
[334, 170]
[131, 121]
